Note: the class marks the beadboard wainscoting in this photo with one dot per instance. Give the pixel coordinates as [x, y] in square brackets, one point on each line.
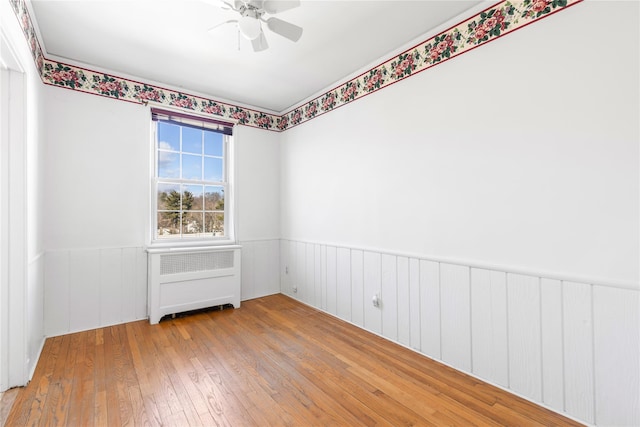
[260, 268]
[91, 288]
[572, 347]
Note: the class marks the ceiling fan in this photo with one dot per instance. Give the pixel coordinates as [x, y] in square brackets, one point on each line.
[252, 17]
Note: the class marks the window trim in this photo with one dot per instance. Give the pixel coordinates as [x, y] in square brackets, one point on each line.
[229, 168]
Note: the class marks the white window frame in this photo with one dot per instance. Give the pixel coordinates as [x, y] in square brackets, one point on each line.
[228, 185]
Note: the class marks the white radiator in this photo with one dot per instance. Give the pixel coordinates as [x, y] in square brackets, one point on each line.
[189, 279]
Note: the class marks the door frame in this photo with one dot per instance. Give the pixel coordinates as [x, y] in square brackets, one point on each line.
[13, 280]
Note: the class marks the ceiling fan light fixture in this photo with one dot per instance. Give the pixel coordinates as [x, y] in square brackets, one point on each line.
[249, 23]
[250, 27]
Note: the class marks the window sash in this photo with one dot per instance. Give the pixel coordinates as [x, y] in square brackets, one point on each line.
[206, 124]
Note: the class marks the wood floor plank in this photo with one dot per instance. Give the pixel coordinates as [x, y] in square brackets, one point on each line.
[145, 406]
[55, 390]
[272, 362]
[7, 399]
[99, 381]
[119, 408]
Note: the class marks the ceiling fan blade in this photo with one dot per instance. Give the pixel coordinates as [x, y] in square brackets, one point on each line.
[285, 29]
[255, 3]
[277, 6]
[231, 21]
[259, 44]
[224, 5]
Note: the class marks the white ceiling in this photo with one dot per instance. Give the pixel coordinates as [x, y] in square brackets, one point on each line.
[168, 42]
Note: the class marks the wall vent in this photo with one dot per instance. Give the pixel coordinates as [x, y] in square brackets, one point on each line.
[192, 262]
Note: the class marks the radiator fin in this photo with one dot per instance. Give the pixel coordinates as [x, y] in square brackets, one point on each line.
[198, 261]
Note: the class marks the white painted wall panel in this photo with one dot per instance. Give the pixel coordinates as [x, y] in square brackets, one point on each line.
[616, 317]
[300, 271]
[331, 280]
[247, 287]
[110, 286]
[261, 268]
[266, 267]
[357, 287]
[552, 343]
[317, 255]
[285, 267]
[56, 293]
[455, 305]
[140, 285]
[578, 350]
[414, 302]
[343, 270]
[310, 276]
[372, 286]
[430, 324]
[489, 325]
[130, 283]
[293, 257]
[389, 297]
[404, 315]
[323, 276]
[525, 371]
[87, 289]
[84, 290]
[264, 258]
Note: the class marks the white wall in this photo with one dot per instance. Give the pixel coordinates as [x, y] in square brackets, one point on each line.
[96, 200]
[493, 203]
[97, 175]
[258, 183]
[521, 153]
[258, 189]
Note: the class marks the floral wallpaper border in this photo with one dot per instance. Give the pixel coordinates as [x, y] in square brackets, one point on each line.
[490, 24]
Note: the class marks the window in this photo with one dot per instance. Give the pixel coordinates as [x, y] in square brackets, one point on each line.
[191, 180]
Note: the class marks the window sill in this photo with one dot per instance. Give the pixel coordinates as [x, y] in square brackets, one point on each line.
[165, 247]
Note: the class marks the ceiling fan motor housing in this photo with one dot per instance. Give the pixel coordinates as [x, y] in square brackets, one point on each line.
[251, 18]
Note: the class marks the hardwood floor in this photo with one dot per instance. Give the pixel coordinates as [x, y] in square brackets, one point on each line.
[272, 362]
[6, 402]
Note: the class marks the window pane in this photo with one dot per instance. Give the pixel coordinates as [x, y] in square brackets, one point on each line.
[191, 167]
[191, 140]
[190, 181]
[192, 197]
[168, 164]
[213, 143]
[192, 223]
[213, 198]
[168, 224]
[168, 136]
[168, 197]
[212, 169]
[214, 223]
